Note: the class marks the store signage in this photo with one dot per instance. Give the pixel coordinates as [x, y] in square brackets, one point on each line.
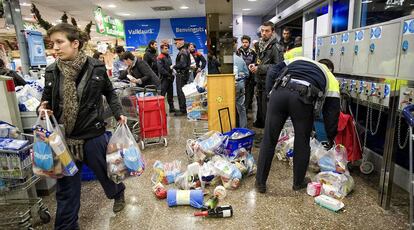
[108, 25]
[37, 54]
[138, 33]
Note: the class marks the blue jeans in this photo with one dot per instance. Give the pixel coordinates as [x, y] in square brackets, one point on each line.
[241, 109]
[68, 188]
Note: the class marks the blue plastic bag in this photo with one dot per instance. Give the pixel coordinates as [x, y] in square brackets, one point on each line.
[43, 156]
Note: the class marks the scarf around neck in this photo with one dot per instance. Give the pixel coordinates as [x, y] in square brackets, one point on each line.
[263, 44]
[70, 71]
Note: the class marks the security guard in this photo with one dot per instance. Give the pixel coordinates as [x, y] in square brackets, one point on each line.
[303, 88]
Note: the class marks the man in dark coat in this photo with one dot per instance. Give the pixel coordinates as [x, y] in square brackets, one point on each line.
[150, 56]
[138, 72]
[164, 64]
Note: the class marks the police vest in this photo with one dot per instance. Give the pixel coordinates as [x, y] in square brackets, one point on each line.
[293, 53]
[332, 85]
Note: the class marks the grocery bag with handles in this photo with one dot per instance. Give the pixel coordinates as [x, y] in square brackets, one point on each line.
[50, 154]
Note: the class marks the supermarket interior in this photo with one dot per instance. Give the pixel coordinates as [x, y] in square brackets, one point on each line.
[206, 114]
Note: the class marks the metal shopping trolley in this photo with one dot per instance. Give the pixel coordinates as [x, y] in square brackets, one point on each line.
[20, 208]
[408, 113]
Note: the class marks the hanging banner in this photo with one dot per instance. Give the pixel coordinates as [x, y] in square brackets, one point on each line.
[37, 54]
[138, 33]
[107, 25]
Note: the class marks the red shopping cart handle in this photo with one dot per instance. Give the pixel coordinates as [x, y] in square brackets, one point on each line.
[408, 113]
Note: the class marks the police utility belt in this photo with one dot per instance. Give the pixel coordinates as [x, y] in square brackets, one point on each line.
[309, 92]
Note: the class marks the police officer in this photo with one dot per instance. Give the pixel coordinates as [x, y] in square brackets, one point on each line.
[303, 88]
[164, 63]
[270, 52]
[249, 57]
[182, 66]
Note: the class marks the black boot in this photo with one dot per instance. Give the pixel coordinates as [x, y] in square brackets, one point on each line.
[260, 187]
[302, 185]
[119, 203]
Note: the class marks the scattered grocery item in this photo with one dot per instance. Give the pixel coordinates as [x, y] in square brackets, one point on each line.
[159, 191]
[220, 192]
[314, 189]
[211, 203]
[218, 212]
[329, 203]
[194, 198]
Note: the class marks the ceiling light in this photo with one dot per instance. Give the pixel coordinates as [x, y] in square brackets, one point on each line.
[124, 14]
[111, 6]
[25, 4]
[59, 20]
[28, 19]
[246, 9]
[184, 7]
[251, 0]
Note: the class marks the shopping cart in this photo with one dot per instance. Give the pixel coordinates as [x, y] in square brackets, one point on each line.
[152, 118]
[408, 113]
[18, 180]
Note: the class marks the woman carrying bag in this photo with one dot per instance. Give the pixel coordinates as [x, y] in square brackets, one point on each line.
[74, 86]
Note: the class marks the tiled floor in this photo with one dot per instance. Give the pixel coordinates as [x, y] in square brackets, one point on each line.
[279, 208]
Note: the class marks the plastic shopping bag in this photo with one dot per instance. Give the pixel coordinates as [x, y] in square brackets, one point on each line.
[51, 156]
[123, 156]
[335, 160]
[334, 184]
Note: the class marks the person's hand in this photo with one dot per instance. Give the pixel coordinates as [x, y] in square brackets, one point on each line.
[42, 107]
[139, 81]
[198, 70]
[122, 120]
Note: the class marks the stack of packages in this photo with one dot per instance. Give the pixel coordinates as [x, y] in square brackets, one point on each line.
[333, 181]
[196, 97]
[123, 156]
[30, 95]
[213, 161]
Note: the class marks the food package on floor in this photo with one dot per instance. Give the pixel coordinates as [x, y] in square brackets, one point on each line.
[329, 203]
[285, 141]
[229, 173]
[212, 142]
[166, 172]
[335, 184]
[245, 162]
[194, 198]
[124, 157]
[190, 178]
[207, 173]
[193, 151]
[317, 151]
[334, 160]
[314, 189]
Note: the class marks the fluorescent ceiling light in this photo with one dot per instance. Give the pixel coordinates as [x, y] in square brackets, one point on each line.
[184, 7]
[246, 9]
[251, 0]
[124, 14]
[111, 6]
[366, 1]
[25, 4]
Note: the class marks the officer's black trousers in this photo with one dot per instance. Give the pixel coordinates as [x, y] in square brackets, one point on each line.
[167, 88]
[261, 98]
[286, 103]
[180, 81]
[250, 84]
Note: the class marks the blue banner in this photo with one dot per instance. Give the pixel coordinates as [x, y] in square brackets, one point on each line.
[192, 30]
[36, 45]
[138, 33]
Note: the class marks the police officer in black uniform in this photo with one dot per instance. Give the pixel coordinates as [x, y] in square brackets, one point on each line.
[303, 88]
[182, 66]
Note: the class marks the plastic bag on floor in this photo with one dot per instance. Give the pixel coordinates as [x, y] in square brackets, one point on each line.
[207, 173]
[51, 156]
[245, 162]
[285, 141]
[334, 160]
[166, 172]
[190, 178]
[193, 151]
[229, 173]
[123, 156]
[334, 184]
[212, 142]
[317, 151]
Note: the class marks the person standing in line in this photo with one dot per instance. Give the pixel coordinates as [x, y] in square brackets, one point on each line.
[287, 41]
[182, 67]
[74, 86]
[200, 61]
[164, 63]
[303, 89]
[270, 52]
[249, 57]
[150, 56]
[118, 65]
[241, 72]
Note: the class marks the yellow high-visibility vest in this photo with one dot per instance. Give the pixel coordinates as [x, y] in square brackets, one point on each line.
[292, 53]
